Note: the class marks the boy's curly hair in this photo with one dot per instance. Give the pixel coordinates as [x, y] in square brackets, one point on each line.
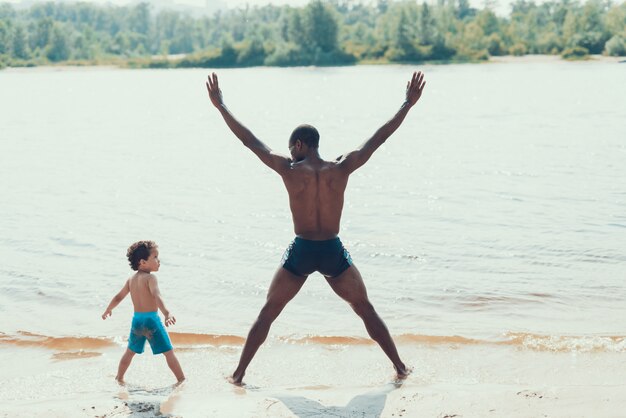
[139, 251]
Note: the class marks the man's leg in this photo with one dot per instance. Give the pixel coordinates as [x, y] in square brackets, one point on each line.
[284, 287]
[350, 287]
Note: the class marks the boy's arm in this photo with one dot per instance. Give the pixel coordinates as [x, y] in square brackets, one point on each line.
[276, 162]
[153, 285]
[355, 159]
[116, 300]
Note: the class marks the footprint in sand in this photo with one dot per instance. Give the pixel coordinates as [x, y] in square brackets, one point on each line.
[530, 394]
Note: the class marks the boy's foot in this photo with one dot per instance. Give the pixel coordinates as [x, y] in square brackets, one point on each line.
[120, 381]
[180, 382]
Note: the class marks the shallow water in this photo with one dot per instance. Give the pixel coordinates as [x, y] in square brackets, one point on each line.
[498, 209]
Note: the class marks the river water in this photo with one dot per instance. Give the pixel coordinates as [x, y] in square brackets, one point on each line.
[497, 212]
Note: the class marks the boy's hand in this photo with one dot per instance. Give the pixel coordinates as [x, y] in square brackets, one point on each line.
[106, 313]
[169, 320]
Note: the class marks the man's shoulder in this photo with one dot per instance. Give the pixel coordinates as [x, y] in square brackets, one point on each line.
[301, 170]
[325, 165]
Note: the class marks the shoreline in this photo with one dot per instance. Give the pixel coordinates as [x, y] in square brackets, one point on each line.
[504, 59]
[473, 381]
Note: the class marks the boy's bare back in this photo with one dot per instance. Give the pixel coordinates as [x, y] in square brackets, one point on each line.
[141, 293]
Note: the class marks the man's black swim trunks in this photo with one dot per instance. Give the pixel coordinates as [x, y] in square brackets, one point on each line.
[304, 257]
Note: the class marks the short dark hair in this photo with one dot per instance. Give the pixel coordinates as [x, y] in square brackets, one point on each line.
[307, 134]
[139, 251]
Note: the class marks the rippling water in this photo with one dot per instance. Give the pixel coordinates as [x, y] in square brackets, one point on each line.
[497, 210]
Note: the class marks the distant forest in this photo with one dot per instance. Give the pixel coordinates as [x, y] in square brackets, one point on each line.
[334, 32]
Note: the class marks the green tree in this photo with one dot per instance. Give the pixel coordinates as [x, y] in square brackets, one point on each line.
[139, 19]
[320, 27]
[42, 33]
[427, 28]
[19, 44]
[322, 32]
[402, 47]
[252, 53]
[616, 46]
[615, 20]
[59, 49]
[495, 46]
[488, 22]
[5, 39]
[464, 10]
[183, 40]
[549, 43]
[594, 35]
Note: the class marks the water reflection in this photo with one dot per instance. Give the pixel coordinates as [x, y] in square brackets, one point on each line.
[367, 405]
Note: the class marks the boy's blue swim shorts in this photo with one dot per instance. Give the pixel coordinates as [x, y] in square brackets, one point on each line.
[148, 326]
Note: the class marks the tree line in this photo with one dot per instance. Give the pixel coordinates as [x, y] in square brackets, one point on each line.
[335, 32]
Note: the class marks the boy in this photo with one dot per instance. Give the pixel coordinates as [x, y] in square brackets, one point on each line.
[143, 257]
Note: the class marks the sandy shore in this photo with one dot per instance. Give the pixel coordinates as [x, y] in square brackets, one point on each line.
[507, 59]
[538, 59]
[287, 380]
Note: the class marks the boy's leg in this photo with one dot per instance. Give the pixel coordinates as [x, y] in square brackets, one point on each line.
[174, 365]
[124, 363]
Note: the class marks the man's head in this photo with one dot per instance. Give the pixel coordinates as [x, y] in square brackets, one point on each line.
[302, 139]
[144, 256]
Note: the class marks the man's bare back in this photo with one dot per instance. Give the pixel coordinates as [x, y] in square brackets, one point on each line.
[316, 195]
[316, 189]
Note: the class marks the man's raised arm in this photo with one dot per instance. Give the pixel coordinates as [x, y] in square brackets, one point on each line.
[355, 159]
[276, 162]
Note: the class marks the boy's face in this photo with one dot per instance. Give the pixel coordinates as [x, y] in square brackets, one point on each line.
[152, 263]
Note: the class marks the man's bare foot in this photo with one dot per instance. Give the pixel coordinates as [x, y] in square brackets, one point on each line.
[120, 381]
[236, 380]
[403, 372]
[180, 382]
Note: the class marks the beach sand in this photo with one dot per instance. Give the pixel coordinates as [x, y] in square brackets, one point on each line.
[537, 59]
[289, 379]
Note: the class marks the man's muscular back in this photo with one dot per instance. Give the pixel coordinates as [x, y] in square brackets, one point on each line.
[316, 189]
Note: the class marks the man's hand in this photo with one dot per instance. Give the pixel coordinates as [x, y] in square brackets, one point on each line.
[169, 320]
[107, 313]
[414, 88]
[215, 94]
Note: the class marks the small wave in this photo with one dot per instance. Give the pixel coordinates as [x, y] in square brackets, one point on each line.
[535, 342]
[78, 347]
[70, 242]
[73, 355]
[556, 343]
[181, 338]
[617, 225]
[29, 339]
[327, 340]
[67, 344]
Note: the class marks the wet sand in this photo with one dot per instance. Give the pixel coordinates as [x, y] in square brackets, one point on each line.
[313, 380]
[538, 59]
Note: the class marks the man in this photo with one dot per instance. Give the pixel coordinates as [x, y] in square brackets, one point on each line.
[316, 191]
